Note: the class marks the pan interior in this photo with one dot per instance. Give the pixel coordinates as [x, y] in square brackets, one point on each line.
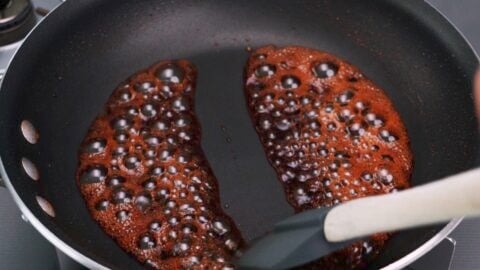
[63, 74]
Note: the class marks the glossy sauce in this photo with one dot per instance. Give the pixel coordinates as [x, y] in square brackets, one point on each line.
[145, 178]
[330, 133]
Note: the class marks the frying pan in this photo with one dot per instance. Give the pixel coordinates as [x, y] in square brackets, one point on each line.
[67, 67]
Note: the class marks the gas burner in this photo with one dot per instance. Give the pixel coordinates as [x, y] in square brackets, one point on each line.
[16, 20]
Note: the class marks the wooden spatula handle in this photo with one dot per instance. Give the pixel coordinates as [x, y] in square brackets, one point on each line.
[453, 197]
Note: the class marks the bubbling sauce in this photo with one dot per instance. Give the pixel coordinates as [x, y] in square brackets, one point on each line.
[331, 135]
[145, 178]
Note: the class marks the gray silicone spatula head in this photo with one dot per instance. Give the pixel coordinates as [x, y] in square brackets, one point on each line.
[293, 242]
[303, 238]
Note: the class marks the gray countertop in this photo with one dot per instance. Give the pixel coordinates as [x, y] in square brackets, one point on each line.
[21, 247]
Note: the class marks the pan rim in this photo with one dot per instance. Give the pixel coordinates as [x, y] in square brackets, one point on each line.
[87, 261]
[43, 230]
[447, 229]
[24, 209]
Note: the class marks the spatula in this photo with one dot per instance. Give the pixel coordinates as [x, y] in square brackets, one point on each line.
[312, 234]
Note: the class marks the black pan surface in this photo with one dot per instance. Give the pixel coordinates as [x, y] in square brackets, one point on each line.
[66, 69]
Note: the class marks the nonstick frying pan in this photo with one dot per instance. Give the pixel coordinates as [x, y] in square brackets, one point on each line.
[68, 66]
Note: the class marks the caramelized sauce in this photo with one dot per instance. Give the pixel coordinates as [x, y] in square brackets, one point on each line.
[330, 133]
[145, 178]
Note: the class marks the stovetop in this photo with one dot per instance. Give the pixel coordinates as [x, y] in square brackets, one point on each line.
[22, 248]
